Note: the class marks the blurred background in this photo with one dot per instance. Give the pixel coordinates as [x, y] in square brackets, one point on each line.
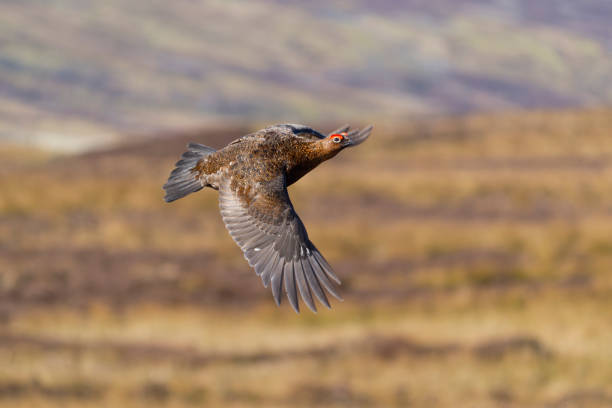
[472, 232]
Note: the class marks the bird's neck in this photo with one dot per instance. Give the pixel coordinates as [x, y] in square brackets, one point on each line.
[311, 156]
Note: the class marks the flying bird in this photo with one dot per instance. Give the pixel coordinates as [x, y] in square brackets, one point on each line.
[252, 175]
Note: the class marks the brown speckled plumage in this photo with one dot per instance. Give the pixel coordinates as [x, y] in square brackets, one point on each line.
[252, 175]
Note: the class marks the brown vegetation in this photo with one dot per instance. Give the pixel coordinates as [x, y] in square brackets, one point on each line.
[475, 255]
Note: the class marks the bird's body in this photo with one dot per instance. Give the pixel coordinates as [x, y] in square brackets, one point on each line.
[261, 156]
[252, 175]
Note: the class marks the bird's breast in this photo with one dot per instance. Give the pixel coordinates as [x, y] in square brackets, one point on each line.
[298, 171]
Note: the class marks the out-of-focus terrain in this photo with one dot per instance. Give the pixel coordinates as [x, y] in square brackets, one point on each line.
[475, 255]
[73, 73]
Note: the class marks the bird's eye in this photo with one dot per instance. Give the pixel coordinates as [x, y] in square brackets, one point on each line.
[337, 137]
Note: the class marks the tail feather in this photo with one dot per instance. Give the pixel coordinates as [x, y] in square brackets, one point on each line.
[183, 180]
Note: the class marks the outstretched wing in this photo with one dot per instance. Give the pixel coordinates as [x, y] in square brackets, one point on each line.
[265, 226]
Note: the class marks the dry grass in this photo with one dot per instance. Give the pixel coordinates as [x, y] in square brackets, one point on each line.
[475, 256]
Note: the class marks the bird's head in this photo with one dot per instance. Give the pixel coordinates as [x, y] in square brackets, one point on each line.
[342, 138]
[328, 146]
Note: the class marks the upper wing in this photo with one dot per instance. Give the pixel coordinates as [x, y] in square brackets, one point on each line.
[265, 226]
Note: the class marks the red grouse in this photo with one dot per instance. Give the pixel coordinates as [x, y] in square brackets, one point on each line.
[252, 175]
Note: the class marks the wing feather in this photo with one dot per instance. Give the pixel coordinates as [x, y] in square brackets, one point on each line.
[275, 242]
[313, 282]
[276, 281]
[266, 275]
[290, 273]
[303, 286]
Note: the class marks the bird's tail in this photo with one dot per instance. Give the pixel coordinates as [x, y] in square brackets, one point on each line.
[184, 179]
